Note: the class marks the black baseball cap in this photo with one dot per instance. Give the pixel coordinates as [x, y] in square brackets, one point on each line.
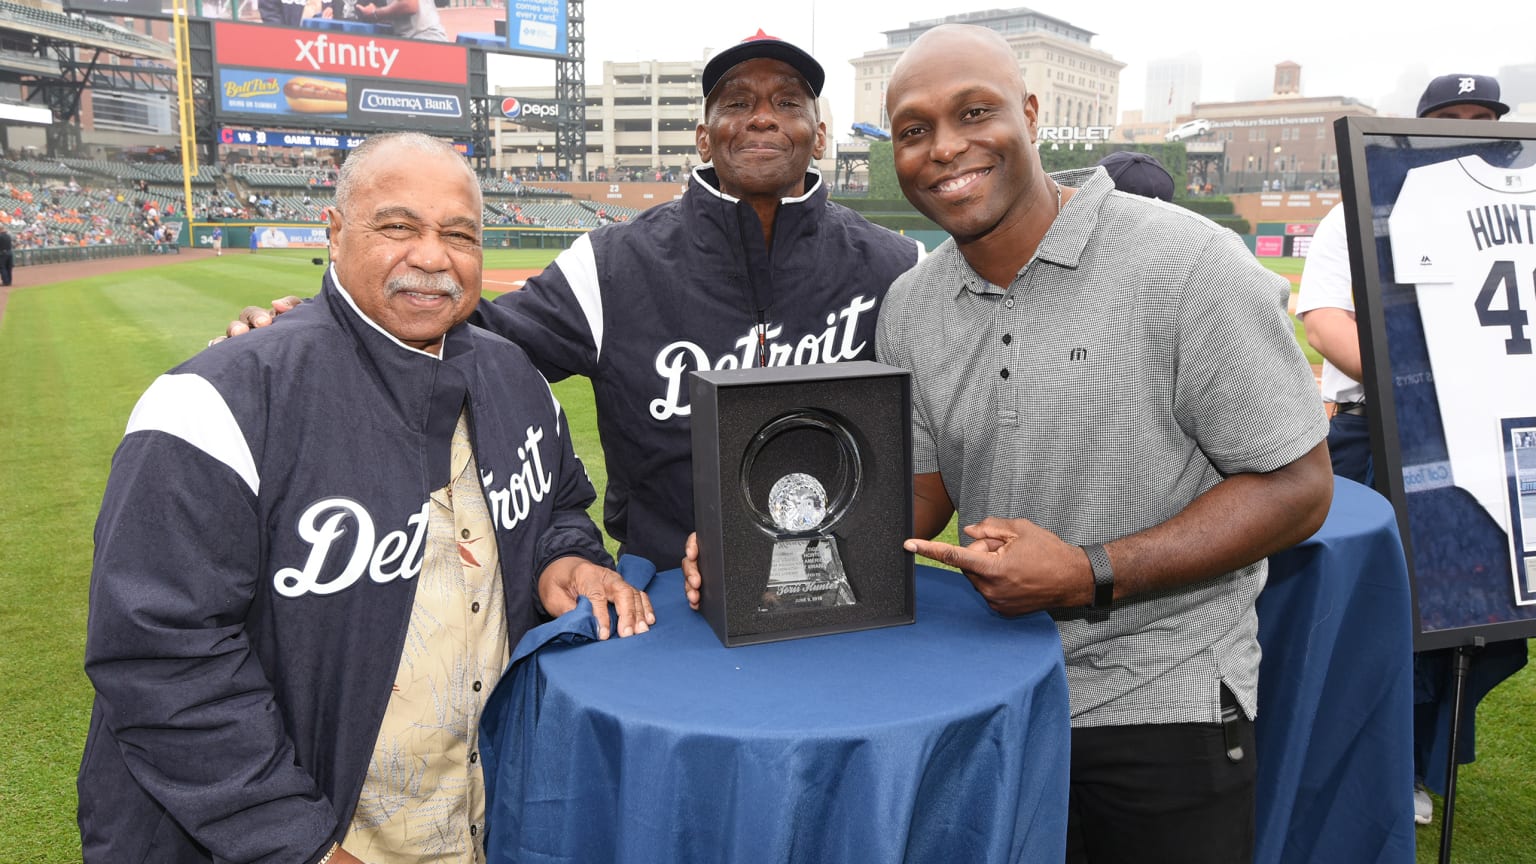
[1462, 90]
[760, 44]
[1138, 174]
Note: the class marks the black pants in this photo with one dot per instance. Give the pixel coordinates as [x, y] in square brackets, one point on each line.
[1349, 446]
[5, 268]
[1161, 793]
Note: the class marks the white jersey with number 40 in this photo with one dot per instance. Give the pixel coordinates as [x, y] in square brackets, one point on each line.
[1464, 231]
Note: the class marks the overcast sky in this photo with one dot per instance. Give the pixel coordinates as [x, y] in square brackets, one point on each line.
[1345, 47]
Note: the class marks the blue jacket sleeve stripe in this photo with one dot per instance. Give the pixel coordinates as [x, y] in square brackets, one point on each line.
[187, 407]
[579, 265]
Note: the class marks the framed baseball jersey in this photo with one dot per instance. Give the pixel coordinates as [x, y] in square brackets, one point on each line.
[1442, 231]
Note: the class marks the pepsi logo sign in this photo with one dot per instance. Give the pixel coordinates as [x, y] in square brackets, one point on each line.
[513, 108]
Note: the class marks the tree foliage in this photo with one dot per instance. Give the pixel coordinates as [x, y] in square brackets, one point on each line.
[882, 171]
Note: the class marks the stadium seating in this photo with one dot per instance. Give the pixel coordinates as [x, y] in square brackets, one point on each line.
[282, 176]
[503, 186]
[81, 201]
[89, 31]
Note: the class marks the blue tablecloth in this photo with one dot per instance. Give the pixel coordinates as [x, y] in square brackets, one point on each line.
[943, 741]
[1335, 734]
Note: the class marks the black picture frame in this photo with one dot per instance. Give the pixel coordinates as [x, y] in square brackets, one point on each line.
[1460, 561]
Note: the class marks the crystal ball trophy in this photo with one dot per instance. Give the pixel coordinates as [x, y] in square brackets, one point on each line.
[806, 571]
[802, 497]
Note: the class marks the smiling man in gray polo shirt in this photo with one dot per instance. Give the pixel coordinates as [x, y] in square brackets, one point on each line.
[1106, 387]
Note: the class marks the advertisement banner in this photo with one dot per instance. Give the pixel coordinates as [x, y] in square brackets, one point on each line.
[1269, 247]
[289, 237]
[530, 110]
[338, 54]
[536, 27]
[416, 106]
[278, 76]
[282, 138]
[478, 23]
[259, 92]
[274, 138]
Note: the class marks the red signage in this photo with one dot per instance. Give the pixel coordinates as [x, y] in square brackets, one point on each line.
[335, 53]
[1271, 246]
[1300, 229]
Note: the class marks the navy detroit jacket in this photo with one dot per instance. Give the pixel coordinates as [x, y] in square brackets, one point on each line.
[686, 285]
[255, 566]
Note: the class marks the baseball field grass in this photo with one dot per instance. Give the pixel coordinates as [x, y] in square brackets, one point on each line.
[75, 356]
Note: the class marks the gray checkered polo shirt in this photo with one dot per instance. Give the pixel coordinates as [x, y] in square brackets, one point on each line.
[1136, 360]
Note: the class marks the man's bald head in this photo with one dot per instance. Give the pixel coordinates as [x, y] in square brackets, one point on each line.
[932, 53]
[963, 134]
[395, 147]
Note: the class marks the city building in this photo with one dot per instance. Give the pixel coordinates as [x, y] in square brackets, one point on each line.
[1173, 87]
[1077, 85]
[1282, 142]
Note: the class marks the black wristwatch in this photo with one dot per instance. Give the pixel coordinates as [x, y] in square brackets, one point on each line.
[1103, 576]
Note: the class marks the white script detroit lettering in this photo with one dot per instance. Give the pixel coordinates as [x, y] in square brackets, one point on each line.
[398, 555]
[675, 360]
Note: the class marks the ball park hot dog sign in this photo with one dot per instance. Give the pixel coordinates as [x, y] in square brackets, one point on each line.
[340, 80]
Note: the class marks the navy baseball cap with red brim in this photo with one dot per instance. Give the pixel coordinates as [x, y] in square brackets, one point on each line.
[759, 45]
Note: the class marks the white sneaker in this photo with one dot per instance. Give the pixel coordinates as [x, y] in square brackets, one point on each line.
[1423, 808]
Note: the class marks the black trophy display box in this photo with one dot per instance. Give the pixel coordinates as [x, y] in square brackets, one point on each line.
[802, 491]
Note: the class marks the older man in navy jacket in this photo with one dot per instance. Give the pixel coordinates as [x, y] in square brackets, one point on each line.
[316, 547]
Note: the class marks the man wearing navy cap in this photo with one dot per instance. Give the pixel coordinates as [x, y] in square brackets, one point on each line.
[1138, 174]
[1326, 305]
[1462, 97]
[752, 266]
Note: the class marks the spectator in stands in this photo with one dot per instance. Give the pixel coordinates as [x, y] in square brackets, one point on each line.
[751, 262]
[7, 256]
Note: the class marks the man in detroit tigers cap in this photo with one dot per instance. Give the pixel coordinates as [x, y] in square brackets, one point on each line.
[1462, 97]
[758, 45]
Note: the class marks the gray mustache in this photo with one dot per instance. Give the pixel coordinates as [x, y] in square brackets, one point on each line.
[433, 283]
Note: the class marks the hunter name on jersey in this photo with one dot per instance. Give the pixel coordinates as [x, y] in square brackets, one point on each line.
[1502, 224]
[1462, 231]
